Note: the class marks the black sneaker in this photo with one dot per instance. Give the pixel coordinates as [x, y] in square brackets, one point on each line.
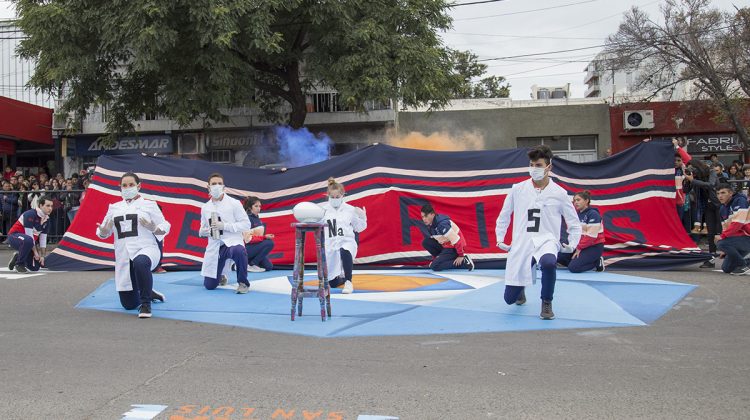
[20, 268]
[547, 313]
[708, 264]
[157, 296]
[145, 311]
[600, 265]
[469, 262]
[12, 262]
[521, 298]
[741, 271]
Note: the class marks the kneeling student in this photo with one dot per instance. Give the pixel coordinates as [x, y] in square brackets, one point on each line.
[23, 236]
[588, 254]
[446, 244]
[734, 241]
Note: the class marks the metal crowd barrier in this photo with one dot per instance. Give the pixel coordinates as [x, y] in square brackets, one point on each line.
[60, 219]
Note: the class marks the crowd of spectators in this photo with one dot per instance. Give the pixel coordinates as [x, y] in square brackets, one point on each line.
[21, 192]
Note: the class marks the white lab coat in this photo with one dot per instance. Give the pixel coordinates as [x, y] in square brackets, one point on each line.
[340, 226]
[537, 217]
[132, 239]
[235, 220]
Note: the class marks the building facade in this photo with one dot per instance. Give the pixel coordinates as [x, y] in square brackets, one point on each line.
[576, 130]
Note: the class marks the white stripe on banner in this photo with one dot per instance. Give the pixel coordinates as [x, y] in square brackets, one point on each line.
[108, 245]
[389, 171]
[608, 181]
[324, 184]
[159, 198]
[79, 257]
[100, 244]
[423, 254]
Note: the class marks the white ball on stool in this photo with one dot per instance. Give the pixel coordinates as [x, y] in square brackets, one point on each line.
[307, 212]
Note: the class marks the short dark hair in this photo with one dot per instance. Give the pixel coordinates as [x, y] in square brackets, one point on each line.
[215, 175]
[724, 186]
[427, 209]
[677, 156]
[541, 152]
[717, 165]
[43, 199]
[127, 174]
[712, 155]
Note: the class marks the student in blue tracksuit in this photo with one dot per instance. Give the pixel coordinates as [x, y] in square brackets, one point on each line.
[32, 224]
[257, 242]
[588, 254]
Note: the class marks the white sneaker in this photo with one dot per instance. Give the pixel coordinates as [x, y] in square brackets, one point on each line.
[242, 288]
[255, 269]
[348, 287]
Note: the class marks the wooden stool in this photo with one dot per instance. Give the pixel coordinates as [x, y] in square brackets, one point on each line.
[299, 291]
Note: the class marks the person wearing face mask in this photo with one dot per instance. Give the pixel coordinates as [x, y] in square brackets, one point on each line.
[445, 242]
[135, 222]
[342, 222]
[258, 243]
[222, 221]
[538, 206]
[588, 254]
[28, 236]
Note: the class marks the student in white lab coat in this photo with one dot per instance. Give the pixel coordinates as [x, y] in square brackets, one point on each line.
[136, 222]
[342, 222]
[230, 223]
[538, 205]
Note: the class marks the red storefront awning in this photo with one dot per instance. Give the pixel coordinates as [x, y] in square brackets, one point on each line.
[21, 121]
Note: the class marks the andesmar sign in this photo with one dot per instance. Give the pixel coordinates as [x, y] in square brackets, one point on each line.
[141, 144]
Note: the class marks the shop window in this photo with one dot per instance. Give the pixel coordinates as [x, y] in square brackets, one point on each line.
[221, 156]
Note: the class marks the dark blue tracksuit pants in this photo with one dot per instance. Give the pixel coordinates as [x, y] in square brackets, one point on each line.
[548, 264]
[735, 248]
[24, 244]
[142, 281]
[257, 254]
[236, 253]
[443, 257]
[347, 263]
[587, 260]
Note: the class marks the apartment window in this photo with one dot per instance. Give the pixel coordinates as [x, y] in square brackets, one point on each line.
[221, 156]
[323, 102]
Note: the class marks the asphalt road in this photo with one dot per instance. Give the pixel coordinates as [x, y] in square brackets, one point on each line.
[58, 362]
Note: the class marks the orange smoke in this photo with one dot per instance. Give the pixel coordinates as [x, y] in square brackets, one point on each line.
[437, 141]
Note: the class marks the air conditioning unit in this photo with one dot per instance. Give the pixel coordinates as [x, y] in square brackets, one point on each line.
[638, 120]
[191, 144]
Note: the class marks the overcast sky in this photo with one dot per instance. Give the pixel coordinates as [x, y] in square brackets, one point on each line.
[519, 27]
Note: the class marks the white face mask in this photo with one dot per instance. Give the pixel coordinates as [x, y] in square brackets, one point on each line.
[129, 193]
[336, 202]
[216, 191]
[537, 174]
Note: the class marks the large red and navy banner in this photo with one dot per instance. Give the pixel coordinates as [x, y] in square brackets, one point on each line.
[634, 190]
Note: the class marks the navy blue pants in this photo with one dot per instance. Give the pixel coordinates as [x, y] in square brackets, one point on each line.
[142, 281]
[347, 263]
[443, 257]
[24, 244]
[548, 263]
[735, 248]
[587, 260]
[236, 253]
[257, 254]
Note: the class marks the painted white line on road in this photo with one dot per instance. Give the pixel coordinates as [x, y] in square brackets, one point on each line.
[143, 412]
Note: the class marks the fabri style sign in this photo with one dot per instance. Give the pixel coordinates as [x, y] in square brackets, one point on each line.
[713, 143]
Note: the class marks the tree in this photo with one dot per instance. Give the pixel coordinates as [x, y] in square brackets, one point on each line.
[467, 69]
[691, 46]
[194, 59]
